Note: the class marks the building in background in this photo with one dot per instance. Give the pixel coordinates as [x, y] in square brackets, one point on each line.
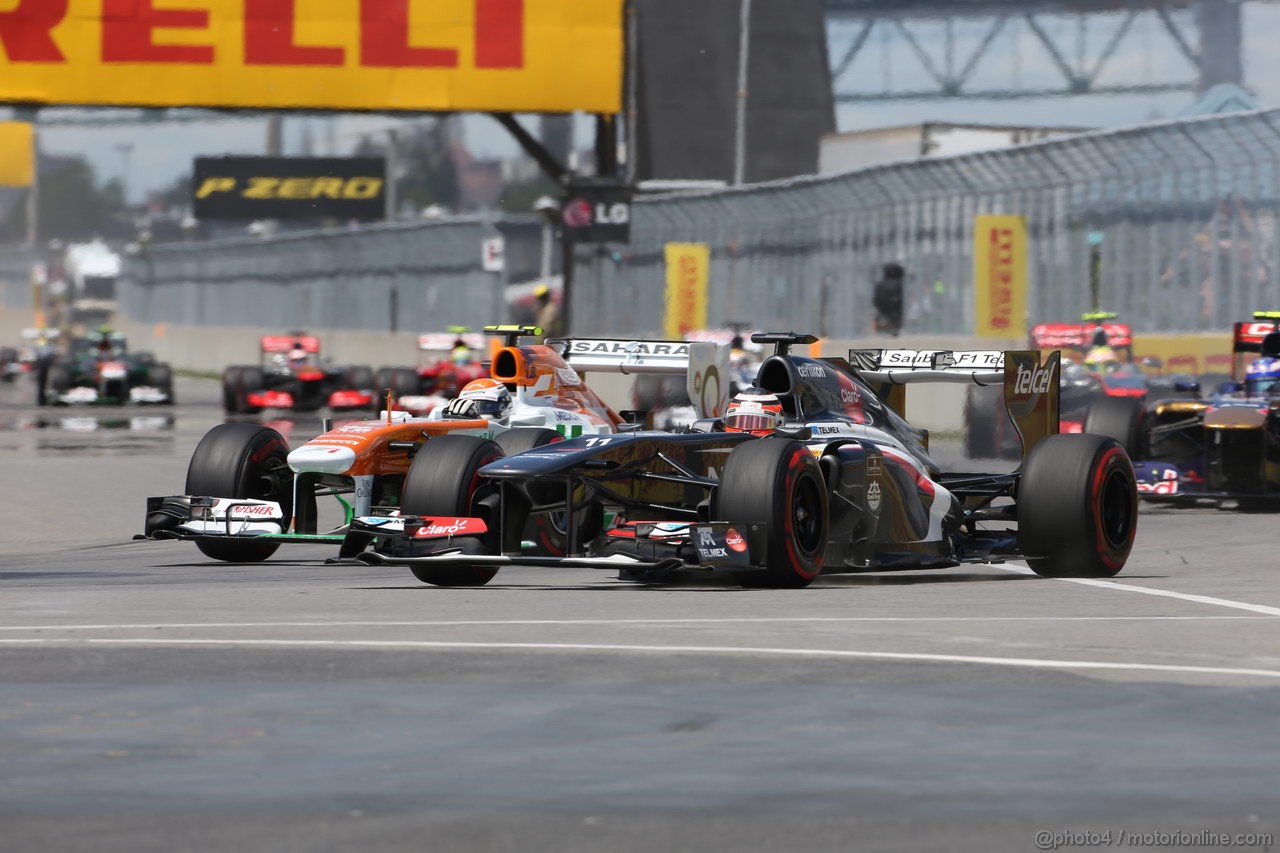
[844, 152]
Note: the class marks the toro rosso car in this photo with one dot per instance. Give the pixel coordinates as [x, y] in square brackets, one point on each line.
[247, 492]
[1222, 447]
[844, 484]
[289, 375]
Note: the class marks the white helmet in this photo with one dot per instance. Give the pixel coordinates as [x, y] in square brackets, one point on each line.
[486, 399]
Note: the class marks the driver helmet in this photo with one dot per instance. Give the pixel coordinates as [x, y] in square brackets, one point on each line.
[1263, 376]
[755, 411]
[297, 356]
[486, 399]
[1099, 356]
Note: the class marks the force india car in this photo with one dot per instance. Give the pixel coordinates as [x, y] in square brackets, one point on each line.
[290, 376]
[1223, 447]
[846, 485]
[99, 369]
[246, 492]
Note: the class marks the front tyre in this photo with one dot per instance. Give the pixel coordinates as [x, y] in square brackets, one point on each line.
[240, 460]
[1077, 507]
[444, 480]
[778, 482]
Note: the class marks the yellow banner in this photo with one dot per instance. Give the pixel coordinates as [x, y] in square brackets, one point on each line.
[688, 274]
[17, 154]
[1000, 276]
[472, 55]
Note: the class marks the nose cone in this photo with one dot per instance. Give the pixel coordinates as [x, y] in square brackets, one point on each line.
[322, 459]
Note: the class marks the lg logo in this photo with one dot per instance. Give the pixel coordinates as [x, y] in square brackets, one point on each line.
[580, 213]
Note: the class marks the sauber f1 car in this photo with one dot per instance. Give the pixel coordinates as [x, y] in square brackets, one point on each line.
[1222, 447]
[845, 484]
[246, 492]
[291, 376]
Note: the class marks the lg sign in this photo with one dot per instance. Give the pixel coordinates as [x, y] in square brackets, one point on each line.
[598, 214]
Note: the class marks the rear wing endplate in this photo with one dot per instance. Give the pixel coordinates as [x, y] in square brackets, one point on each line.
[705, 364]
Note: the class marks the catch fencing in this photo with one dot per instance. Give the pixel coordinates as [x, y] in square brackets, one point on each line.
[396, 277]
[1183, 216]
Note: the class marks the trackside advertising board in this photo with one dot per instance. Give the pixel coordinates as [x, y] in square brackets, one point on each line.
[688, 277]
[17, 154]
[289, 188]
[477, 55]
[1000, 276]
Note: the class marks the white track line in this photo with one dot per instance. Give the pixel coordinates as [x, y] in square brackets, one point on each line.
[1164, 593]
[747, 620]
[1035, 663]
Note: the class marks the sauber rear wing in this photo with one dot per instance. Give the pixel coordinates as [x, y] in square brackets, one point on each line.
[705, 364]
[1031, 388]
[903, 366]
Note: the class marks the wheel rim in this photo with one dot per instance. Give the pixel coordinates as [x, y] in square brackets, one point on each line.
[806, 516]
[1116, 509]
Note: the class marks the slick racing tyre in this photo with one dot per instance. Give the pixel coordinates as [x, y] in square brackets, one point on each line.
[777, 481]
[162, 380]
[240, 460]
[237, 384]
[1077, 507]
[444, 480]
[360, 378]
[1119, 418]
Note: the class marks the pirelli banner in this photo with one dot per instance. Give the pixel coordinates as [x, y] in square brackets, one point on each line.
[464, 55]
[289, 188]
[1000, 276]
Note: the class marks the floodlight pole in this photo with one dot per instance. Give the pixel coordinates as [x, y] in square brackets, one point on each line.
[740, 130]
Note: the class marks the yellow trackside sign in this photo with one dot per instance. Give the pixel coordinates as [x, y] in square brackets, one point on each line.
[481, 55]
[17, 154]
[688, 274]
[1000, 276]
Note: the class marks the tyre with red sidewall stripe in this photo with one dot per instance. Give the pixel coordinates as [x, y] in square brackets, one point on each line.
[778, 482]
[1077, 507]
[443, 481]
[240, 460]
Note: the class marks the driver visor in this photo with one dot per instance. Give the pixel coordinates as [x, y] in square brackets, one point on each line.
[753, 422]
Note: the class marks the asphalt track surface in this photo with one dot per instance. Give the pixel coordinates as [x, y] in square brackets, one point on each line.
[155, 700]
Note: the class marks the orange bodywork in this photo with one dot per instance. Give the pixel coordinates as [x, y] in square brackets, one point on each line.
[370, 440]
[537, 373]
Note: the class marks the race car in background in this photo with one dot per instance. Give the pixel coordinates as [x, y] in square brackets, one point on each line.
[99, 369]
[1098, 363]
[246, 492]
[447, 361]
[1222, 447]
[291, 376]
[843, 484]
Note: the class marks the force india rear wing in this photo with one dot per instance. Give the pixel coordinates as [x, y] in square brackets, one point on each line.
[1031, 388]
[705, 365]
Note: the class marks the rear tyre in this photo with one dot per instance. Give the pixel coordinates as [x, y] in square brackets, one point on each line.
[162, 380]
[239, 460]
[1119, 418]
[252, 381]
[230, 390]
[778, 482]
[1077, 507]
[444, 480]
[405, 382]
